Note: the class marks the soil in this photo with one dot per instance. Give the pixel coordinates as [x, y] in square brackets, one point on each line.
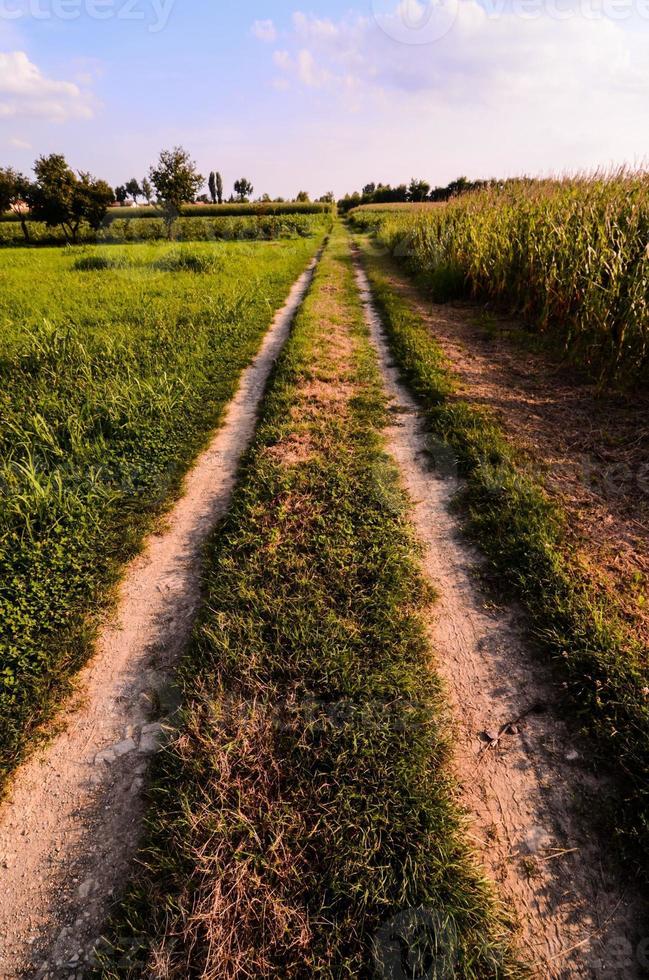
[590, 446]
[524, 778]
[72, 821]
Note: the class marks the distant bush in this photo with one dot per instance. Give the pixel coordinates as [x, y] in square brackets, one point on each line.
[94, 263]
[188, 261]
[152, 213]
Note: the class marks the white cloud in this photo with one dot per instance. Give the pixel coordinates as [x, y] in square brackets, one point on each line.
[265, 30]
[19, 143]
[575, 87]
[309, 73]
[307, 26]
[482, 87]
[472, 55]
[303, 65]
[26, 91]
[283, 60]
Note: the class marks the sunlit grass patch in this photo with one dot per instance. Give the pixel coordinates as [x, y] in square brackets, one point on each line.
[112, 374]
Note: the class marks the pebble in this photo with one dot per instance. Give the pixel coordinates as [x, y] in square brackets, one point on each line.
[123, 748]
[155, 728]
[85, 889]
[151, 738]
[108, 756]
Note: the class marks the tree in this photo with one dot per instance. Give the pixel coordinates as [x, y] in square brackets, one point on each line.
[303, 197]
[121, 194]
[176, 181]
[350, 201]
[92, 199]
[459, 186]
[133, 189]
[418, 190]
[243, 189]
[219, 187]
[327, 198]
[147, 190]
[60, 197]
[13, 193]
[368, 190]
[212, 186]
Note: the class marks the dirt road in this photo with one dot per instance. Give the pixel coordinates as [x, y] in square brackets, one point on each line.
[522, 777]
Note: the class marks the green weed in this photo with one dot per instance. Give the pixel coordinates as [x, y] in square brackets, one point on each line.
[109, 385]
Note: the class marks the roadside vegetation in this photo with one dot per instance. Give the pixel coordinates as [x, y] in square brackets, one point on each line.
[302, 819]
[417, 193]
[601, 661]
[114, 367]
[234, 210]
[61, 205]
[569, 256]
[128, 227]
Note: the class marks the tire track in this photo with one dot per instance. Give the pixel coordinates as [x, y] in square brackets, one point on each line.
[521, 776]
[71, 823]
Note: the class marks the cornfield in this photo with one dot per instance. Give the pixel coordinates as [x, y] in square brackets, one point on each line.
[571, 256]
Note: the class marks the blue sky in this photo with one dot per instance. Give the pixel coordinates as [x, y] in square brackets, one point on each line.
[324, 96]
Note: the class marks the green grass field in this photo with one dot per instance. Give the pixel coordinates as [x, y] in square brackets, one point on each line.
[115, 363]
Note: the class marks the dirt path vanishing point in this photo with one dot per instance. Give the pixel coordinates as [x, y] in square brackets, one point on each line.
[522, 791]
[70, 826]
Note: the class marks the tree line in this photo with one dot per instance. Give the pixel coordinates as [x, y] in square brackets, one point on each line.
[58, 196]
[417, 191]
